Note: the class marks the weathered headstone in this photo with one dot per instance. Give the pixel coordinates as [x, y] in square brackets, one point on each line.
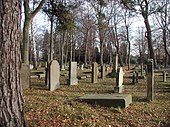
[73, 74]
[119, 81]
[164, 76]
[115, 64]
[46, 74]
[137, 76]
[94, 72]
[134, 78]
[54, 75]
[103, 71]
[150, 80]
[31, 66]
[25, 76]
[82, 67]
[141, 68]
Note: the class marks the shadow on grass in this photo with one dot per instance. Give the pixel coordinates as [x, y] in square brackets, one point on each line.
[38, 86]
[139, 99]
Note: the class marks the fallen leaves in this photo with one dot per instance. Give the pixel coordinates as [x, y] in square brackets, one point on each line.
[60, 108]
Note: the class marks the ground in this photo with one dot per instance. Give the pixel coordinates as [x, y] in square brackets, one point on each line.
[60, 108]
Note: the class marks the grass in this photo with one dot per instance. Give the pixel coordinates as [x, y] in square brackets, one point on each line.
[60, 108]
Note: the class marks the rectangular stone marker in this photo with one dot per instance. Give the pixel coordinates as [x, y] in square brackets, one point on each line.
[103, 72]
[54, 75]
[94, 72]
[141, 68]
[150, 80]
[164, 76]
[119, 81]
[111, 100]
[137, 76]
[25, 76]
[72, 74]
[134, 78]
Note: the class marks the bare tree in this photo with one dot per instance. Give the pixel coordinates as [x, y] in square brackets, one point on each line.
[29, 15]
[162, 18]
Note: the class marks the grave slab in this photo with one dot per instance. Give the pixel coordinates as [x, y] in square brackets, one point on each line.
[109, 100]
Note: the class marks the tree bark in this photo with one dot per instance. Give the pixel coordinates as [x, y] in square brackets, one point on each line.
[11, 96]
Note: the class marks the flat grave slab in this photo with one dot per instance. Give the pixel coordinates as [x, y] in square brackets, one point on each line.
[110, 100]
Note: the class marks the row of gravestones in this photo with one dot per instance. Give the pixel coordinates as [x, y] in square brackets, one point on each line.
[52, 75]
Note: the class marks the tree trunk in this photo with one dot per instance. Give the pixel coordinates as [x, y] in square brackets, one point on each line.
[25, 40]
[85, 53]
[150, 43]
[62, 50]
[51, 41]
[145, 11]
[28, 17]
[11, 97]
[128, 59]
[35, 63]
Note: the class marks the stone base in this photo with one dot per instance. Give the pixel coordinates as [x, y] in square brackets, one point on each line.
[72, 82]
[110, 100]
[25, 76]
[54, 87]
[118, 89]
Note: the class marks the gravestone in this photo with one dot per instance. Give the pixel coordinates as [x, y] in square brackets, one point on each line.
[141, 69]
[119, 81]
[164, 76]
[134, 78]
[115, 64]
[103, 72]
[25, 76]
[46, 74]
[94, 72]
[150, 80]
[137, 76]
[82, 67]
[54, 75]
[72, 74]
[31, 66]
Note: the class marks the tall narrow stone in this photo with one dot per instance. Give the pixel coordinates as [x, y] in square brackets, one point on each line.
[103, 72]
[150, 80]
[141, 68]
[164, 76]
[54, 75]
[72, 74]
[119, 81]
[94, 72]
[25, 76]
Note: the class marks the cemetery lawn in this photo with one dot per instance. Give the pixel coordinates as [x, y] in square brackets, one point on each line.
[60, 108]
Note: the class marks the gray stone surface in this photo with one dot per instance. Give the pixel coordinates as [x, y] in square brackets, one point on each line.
[164, 76]
[94, 72]
[73, 74]
[54, 75]
[150, 80]
[111, 100]
[103, 74]
[119, 81]
[25, 76]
